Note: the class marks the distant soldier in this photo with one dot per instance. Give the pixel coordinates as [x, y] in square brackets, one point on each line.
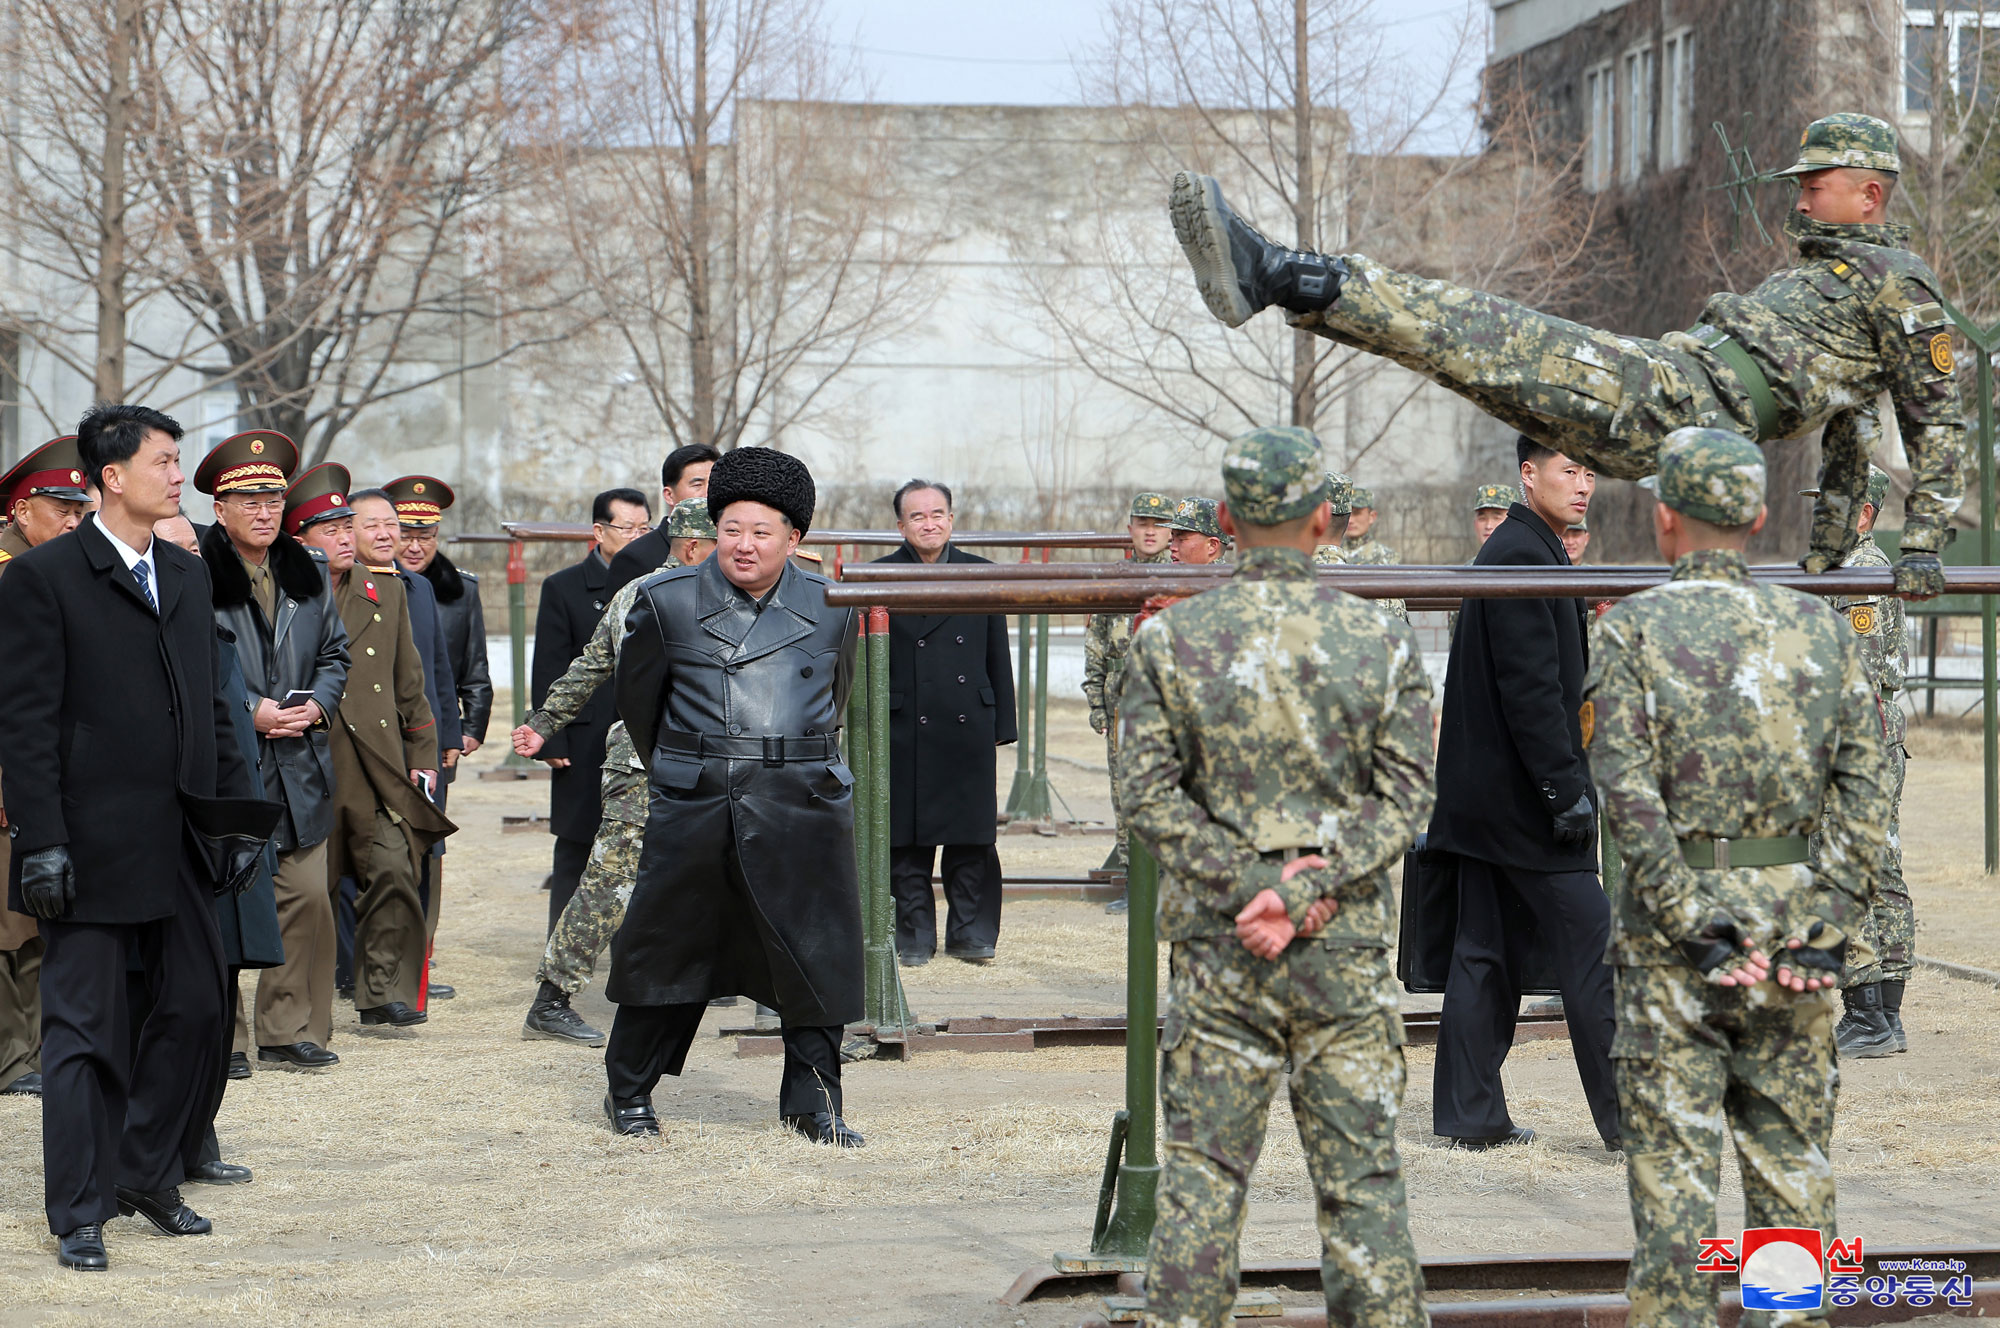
[1197, 537]
[1361, 546]
[1275, 838]
[1105, 637]
[1340, 504]
[1814, 345]
[1575, 540]
[598, 906]
[1724, 720]
[1490, 505]
[1878, 960]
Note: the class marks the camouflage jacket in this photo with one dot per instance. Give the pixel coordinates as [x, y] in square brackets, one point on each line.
[1878, 630]
[1334, 555]
[1859, 315]
[1275, 713]
[1719, 708]
[625, 796]
[1369, 552]
[1106, 637]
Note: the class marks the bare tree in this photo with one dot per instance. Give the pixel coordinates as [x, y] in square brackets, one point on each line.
[726, 217]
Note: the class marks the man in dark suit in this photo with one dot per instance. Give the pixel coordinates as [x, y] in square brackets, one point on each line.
[572, 602]
[115, 711]
[683, 475]
[1515, 804]
[951, 701]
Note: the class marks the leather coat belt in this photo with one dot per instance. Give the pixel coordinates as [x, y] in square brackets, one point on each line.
[770, 748]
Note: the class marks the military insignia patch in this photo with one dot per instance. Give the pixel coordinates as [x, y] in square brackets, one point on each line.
[1586, 718]
[256, 447]
[1862, 616]
[1941, 352]
[369, 587]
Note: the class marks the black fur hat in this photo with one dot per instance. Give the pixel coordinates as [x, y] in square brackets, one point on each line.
[762, 475]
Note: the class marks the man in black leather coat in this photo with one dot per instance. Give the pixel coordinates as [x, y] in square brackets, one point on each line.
[732, 681]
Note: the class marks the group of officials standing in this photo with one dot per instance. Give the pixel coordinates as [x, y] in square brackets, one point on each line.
[178, 699]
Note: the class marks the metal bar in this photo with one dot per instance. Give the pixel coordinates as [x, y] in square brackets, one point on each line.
[936, 573]
[1037, 805]
[1931, 673]
[578, 533]
[517, 633]
[895, 1009]
[1991, 725]
[1017, 796]
[860, 761]
[1130, 1229]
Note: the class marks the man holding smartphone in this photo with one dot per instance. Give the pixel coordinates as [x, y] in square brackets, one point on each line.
[275, 596]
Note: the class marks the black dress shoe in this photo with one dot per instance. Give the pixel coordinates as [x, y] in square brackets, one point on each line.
[632, 1116]
[824, 1127]
[1237, 269]
[1520, 1134]
[83, 1249]
[304, 1055]
[164, 1209]
[28, 1085]
[345, 993]
[973, 954]
[239, 1065]
[219, 1172]
[441, 991]
[913, 959]
[395, 1013]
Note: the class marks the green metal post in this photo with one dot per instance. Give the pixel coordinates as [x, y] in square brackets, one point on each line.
[1984, 379]
[1017, 796]
[517, 630]
[860, 760]
[1036, 806]
[893, 1010]
[1130, 1226]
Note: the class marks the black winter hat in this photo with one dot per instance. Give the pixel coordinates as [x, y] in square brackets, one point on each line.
[762, 475]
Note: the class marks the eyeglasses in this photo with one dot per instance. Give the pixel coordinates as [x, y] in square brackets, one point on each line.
[259, 504]
[420, 534]
[632, 531]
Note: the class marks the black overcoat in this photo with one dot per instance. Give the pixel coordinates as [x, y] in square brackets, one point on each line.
[464, 624]
[951, 700]
[249, 921]
[572, 602]
[427, 630]
[111, 711]
[747, 884]
[1510, 743]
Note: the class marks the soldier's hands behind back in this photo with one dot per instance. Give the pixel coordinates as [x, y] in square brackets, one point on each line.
[1919, 575]
[1099, 722]
[1813, 959]
[48, 882]
[1720, 950]
[1577, 823]
[1264, 927]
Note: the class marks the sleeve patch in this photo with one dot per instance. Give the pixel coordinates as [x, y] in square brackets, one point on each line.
[1862, 618]
[1941, 352]
[1922, 317]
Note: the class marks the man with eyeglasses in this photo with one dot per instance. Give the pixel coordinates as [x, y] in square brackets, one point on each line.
[573, 600]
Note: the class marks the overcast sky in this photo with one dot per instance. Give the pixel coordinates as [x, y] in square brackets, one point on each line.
[1020, 51]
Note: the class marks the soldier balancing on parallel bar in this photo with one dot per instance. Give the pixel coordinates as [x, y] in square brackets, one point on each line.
[1814, 345]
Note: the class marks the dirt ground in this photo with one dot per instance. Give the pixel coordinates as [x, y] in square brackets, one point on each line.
[456, 1174]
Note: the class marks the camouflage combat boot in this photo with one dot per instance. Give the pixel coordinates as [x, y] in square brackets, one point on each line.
[1238, 270]
[550, 1017]
[1864, 1031]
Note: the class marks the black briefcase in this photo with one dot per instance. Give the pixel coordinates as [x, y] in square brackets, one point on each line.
[1429, 922]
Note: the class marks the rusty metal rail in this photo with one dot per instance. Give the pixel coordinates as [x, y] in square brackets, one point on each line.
[579, 533]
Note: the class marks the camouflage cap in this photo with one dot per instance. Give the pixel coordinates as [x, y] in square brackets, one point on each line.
[1271, 476]
[1712, 475]
[690, 520]
[1582, 524]
[1197, 515]
[1846, 139]
[1363, 497]
[1156, 506]
[1339, 493]
[1878, 488]
[1502, 496]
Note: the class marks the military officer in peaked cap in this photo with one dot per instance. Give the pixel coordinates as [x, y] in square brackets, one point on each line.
[43, 497]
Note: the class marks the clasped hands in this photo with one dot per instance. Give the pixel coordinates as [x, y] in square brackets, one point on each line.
[293, 723]
[1722, 951]
[1265, 925]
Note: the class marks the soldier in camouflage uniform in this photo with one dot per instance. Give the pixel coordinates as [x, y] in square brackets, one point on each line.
[1340, 503]
[1878, 960]
[1197, 537]
[1105, 637]
[1724, 720]
[1361, 546]
[1489, 508]
[593, 913]
[1815, 344]
[1276, 759]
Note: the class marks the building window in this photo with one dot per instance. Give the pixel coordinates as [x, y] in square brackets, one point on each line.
[1598, 100]
[1966, 37]
[1638, 137]
[1677, 101]
[218, 415]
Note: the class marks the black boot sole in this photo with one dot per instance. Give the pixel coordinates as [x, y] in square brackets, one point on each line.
[1196, 206]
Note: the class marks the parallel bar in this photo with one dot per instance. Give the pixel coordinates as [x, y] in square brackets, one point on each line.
[1991, 805]
[579, 533]
[517, 634]
[896, 1010]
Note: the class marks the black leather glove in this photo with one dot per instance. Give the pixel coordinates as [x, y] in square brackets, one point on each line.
[48, 882]
[1919, 575]
[1576, 826]
[1824, 948]
[1717, 943]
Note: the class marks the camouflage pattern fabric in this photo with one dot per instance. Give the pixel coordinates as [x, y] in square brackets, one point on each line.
[1336, 555]
[591, 917]
[1846, 138]
[1858, 315]
[1267, 715]
[1717, 708]
[1499, 496]
[1106, 637]
[1712, 475]
[1198, 515]
[1233, 1021]
[1368, 552]
[1690, 1056]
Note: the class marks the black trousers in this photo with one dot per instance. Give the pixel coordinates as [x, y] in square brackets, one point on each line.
[648, 1041]
[140, 998]
[346, 894]
[571, 857]
[971, 891]
[1482, 993]
[113, 1114]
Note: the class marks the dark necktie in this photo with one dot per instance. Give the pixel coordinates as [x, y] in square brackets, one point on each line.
[139, 570]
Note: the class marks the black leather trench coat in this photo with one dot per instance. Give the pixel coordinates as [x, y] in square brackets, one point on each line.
[747, 883]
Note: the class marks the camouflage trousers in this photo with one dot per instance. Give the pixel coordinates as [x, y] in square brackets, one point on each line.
[1232, 1021]
[1889, 935]
[1592, 395]
[593, 913]
[1117, 807]
[1694, 1060]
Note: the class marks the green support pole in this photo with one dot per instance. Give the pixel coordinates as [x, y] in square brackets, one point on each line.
[860, 760]
[517, 630]
[1036, 806]
[892, 1010]
[1984, 379]
[1127, 1229]
[1017, 796]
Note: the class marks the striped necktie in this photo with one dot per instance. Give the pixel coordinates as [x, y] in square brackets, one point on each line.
[139, 570]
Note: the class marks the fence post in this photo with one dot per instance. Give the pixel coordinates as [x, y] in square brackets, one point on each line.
[860, 760]
[888, 1008]
[1017, 796]
[1984, 380]
[1127, 1229]
[517, 631]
